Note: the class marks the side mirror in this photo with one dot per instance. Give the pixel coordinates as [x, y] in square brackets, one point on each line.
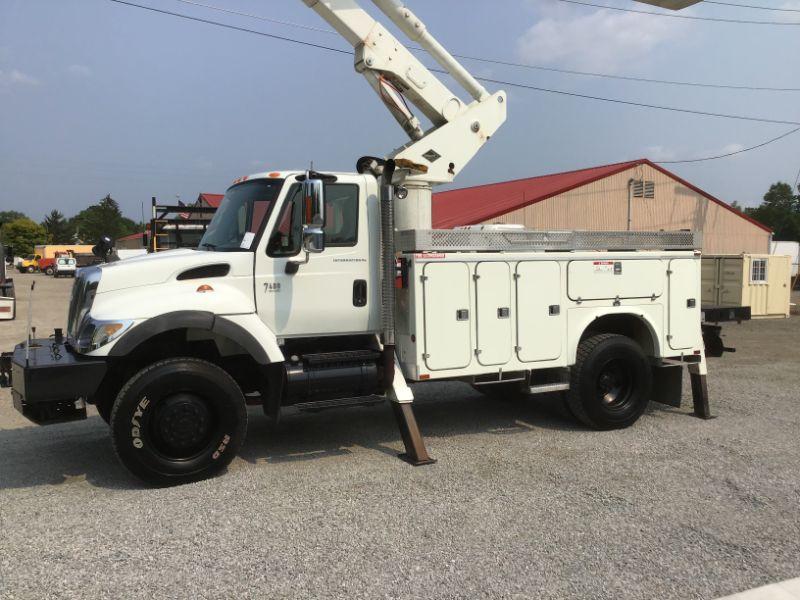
[313, 202]
[313, 239]
[313, 215]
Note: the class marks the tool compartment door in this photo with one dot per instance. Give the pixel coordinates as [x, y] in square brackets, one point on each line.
[540, 318]
[684, 304]
[493, 312]
[615, 278]
[448, 322]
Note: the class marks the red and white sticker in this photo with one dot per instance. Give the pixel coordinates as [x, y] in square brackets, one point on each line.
[430, 255]
[603, 266]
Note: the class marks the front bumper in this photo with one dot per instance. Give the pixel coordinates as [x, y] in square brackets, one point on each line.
[52, 384]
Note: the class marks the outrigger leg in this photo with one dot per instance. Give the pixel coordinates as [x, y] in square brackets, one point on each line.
[402, 400]
[698, 372]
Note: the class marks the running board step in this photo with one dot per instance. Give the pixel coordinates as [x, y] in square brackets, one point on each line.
[318, 405]
[546, 388]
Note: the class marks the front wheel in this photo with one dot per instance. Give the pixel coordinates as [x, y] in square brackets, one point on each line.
[31, 269]
[178, 420]
[610, 383]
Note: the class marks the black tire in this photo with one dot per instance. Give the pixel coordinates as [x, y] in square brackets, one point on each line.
[610, 383]
[178, 420]
[48, 271]
[31, 269]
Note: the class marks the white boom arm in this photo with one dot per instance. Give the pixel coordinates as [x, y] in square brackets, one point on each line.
[459, 129]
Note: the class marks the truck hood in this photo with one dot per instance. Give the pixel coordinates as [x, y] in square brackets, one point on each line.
[154, 269]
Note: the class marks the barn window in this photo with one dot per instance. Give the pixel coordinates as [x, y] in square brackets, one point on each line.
[644, 189]
[758, 270]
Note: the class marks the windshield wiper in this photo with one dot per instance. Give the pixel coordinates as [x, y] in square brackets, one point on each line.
[211, 247]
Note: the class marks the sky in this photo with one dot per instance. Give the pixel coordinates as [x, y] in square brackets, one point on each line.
[101, 98]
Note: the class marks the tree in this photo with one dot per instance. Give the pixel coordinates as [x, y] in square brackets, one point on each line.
[103, 218]
[57, 227]
[22, 235]
[6, 216]
[780, 210]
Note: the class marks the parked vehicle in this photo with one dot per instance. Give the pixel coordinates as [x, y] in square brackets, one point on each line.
[65, 267]
[29, 263]
[291, 298]
[7, 295]
[48, 253]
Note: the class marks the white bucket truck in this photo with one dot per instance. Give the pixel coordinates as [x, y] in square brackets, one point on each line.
[321, 290]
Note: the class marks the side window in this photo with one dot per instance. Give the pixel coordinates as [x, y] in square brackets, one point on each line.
[285, 239]
[341, 214]
[341, 220]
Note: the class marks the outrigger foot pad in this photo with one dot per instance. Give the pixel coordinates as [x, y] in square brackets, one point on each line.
[700, 396]
[415, 453]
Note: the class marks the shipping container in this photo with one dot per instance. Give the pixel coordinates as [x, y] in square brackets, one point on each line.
[791, 249]
[760, 281]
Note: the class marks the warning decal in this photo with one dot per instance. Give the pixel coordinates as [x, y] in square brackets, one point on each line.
[603, 266]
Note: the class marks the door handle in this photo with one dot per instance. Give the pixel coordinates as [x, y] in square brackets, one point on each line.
[360, 292]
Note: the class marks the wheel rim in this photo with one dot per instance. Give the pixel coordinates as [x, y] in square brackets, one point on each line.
[183, 426]
[615, 384]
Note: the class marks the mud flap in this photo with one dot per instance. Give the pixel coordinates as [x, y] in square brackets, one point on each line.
[668, 384]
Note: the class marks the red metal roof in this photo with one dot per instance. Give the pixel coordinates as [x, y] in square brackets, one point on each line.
[473, 205]
[133, 236]
[213, 200]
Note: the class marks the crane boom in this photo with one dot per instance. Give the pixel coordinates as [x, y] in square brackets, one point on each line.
[458, 129]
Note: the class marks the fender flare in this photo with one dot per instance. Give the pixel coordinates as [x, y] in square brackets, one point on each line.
[625, 312]
[190, 319]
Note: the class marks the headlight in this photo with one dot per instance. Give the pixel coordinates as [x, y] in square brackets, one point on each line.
[95, 334]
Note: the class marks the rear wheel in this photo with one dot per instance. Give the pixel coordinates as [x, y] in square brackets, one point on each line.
[31, 269]
[610, 383]
[49, 271]
[178, 420]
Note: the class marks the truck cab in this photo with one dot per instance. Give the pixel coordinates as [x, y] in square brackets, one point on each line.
[29, 263]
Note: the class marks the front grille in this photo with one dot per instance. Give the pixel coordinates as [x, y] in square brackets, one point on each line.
[83, 291]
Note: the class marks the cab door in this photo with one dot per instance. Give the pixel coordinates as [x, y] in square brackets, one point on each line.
[336, 291]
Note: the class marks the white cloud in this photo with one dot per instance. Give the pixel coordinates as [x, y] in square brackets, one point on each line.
[601, 40]
[664, 153]
[789, 17]
[15, 77]
[658, 153]
[79, 70]
[731, 148]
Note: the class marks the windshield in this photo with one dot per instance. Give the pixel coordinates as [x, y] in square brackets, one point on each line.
[244, 209]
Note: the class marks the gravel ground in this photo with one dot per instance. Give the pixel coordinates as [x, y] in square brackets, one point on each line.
[523, 503]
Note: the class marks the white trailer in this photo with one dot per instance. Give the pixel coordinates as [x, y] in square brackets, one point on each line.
[8, 303]
[320, 290]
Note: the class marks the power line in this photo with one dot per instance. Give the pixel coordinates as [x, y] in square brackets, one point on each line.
[742, 151]
[485, 79]
[687, 17]
[797, 10]
[639, 104]
[234, 27]
[506, 62]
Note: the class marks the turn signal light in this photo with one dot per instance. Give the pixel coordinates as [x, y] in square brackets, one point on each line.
[205, 288]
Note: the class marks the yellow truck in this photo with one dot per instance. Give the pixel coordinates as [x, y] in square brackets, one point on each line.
[44, 257]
